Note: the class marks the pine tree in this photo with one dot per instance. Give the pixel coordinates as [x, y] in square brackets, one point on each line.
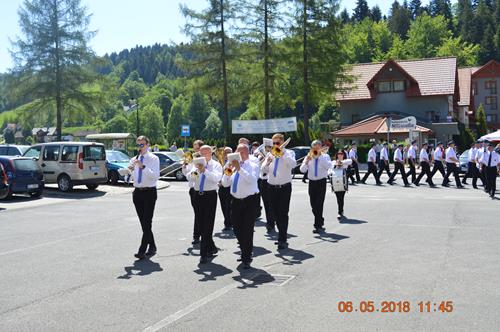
[415, 8]
[488, 50]
[399, 19]
[361, 11]
[344, 16]
[376, 13]
[465, 18]
[481, 126]
[442, 7]
[52, 58]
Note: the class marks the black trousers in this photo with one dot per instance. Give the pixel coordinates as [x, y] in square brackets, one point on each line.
[438, 166]
[317, 192]
[205, 207]
[355, 167]
[399, 167]
[225, 204]
[197, 226]
[279, 197]
[144, 202]
[340, 201]
[264, 193]
[243, 220]
[383, 166]
[491, 179]
[472, 172]
[452, 168]
[426, 170]
[372, 169]
[412, 170]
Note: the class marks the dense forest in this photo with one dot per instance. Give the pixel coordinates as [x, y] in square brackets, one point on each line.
[263, 66]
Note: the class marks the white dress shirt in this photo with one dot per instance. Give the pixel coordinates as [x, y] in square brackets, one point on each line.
[353, 154]
[186, 169]
[450, 153]
[384, 154]
[213, 174]
[254, 159]
[345, 164]
[424, 156]
[438, 154]
[372, 155]
[247, 180]
[150, 173]
[472, 155]
[495, 159]
[398, 156]
[412, 152]
[323, 163]
[284, 169]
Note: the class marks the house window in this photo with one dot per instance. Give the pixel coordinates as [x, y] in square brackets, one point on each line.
[491, 86]
[474, 88]
[492, 102]
[398, 86]
[385, 86]
[355, 118]
[491, 118]
[430, 116]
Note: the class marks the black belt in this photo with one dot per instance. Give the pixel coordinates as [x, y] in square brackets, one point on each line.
[206, 192]
[244, 198]
[323, 179]
[279, 185]
[145, 188]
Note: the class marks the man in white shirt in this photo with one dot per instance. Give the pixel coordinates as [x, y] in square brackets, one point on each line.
[438, 160]
[399, 166]
[412, 158]
[384, 161]
[317, 168]
[451, 166]
[146, 168]
[206, 179]
[490, 160]
[186, 168]
[245, 197]
[472, 171]
[425, 164]
[264, 187]
[482, 149]
[353, 155]
[372, 166]
[279, 167]
[225, 198]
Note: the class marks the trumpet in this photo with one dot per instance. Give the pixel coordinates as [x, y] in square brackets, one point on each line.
[279, 151]
[187, 158]
[219, 155]
[228, 171]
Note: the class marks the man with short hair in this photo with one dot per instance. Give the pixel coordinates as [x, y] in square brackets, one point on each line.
[451, 167]
[245, 196]
[398, 166]
[490, 161]
[186, 168]
[279, 166]
[412, 157]
[372, 165]
[146, 169]
[472, 171]
[353, 155]
[426, 167]
[384, 161]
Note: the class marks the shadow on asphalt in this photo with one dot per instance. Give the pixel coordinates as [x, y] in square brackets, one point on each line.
[141, 267]
[225, 235]
[18, 198]
[211, 271]
[257, 251]
[293, 256]
[345, 220]
[331, 237]
[248, 279]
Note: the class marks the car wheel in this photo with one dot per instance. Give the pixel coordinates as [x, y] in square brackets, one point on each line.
[6, 194]
[92, 186]
[64, 183]
[179, 175]
[113, 177]
[36, 194]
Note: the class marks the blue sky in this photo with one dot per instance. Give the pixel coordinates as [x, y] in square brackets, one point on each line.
[127, 23]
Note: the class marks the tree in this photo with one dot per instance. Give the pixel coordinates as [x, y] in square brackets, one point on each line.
[482, 20]
[117, 124]
[213, 125]
[51, 59]
[175, 119]
[197, 110]
[152, 123]
[465, 20]
[481, 126]
[399, 19]
[207, 30]
[344, 16]
[426, 35]
[487, 49]
[361, 11]
[415, 8]
[467, 54]
[443, 8]
[376, 13]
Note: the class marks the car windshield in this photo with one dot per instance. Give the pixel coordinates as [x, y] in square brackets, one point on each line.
[173, 156]
[23, 148]
[117, 157]
[25, 165]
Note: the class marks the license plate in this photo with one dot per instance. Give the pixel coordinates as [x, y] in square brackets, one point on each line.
[32, 186]
[94, 168]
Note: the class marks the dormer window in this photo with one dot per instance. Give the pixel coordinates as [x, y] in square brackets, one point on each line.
[391, 86]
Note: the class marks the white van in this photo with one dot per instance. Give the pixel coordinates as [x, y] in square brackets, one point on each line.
[71, 163]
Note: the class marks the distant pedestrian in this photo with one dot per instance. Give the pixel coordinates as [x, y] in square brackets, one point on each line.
[173, 147]
[451, 165]
[353, 155]
[491, 164]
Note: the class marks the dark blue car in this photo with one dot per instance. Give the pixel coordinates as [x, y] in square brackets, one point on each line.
[4, 183]
[24, 175]
[114, 161]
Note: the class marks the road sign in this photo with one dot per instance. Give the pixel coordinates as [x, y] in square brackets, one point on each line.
[409, 122]
[185, 131]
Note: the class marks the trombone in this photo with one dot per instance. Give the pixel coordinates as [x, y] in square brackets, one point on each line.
[279, 151]
[313, 153]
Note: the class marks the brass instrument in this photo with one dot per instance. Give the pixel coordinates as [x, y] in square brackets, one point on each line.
[315, 153]
[219, 155]
[279, 151]
[187, 158]
[228, 171]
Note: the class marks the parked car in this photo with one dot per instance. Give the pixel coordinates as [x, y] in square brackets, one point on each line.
[71, 163]
[13, 150]
[463, 161]
[4, 183]
[300, 153]
[115, 160]
[170, 165]
[24, 175]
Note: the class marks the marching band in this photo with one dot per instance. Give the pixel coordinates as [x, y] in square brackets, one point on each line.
[242, 178]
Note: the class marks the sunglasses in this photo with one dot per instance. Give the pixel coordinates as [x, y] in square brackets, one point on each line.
[276, 143]
[140, 145]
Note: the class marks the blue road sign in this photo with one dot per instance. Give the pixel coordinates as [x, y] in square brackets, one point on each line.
[185, 131]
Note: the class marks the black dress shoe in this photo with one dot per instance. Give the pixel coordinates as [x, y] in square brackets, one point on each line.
[282, 245]
[195, 241]
[140, 255]
[416, 183]
[151, 253]
[475, 187]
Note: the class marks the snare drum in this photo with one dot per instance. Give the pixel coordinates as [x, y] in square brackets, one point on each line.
[339, 179]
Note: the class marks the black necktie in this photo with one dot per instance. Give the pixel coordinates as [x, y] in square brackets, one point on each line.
[489, 160]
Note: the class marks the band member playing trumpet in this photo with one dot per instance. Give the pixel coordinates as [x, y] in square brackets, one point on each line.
[205, 175]
[225, 196]
[341, 163]
[242, 181]
[186, 168]
[279, 165]
[317, 164]
[146, 168]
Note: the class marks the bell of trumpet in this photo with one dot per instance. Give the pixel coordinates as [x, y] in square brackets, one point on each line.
[219, 154]
[228, 171]
[187, 158]
[279, 151]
